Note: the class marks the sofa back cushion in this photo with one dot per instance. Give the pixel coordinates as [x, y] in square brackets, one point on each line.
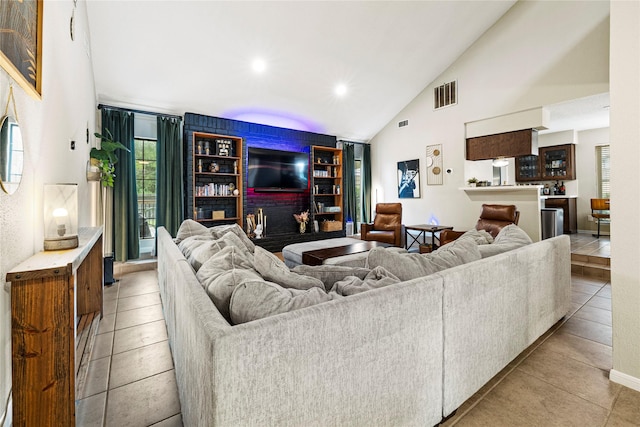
[271, 268]
[509, 238]
[411, 265]
[189, 228]
[221, 273]
[256, 299]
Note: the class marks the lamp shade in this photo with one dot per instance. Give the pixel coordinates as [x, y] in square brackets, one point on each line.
[60, 216]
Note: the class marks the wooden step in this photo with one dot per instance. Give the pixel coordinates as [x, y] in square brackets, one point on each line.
[592, 266]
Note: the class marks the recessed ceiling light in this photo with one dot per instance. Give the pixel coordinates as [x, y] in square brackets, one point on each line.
[341, 89]
[259, 65]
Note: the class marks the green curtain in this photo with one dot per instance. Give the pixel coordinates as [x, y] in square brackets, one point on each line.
[365, 182]
[349, 190]
[169, 202]
[125, 197]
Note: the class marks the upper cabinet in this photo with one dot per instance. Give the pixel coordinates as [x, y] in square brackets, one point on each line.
[558, 162]
[508, 144]
[552, 163]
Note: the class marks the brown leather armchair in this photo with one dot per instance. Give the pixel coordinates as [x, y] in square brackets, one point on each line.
[386, 226]
[493, 218]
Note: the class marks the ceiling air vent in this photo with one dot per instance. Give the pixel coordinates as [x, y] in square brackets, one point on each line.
[403, 123]
[445, 95]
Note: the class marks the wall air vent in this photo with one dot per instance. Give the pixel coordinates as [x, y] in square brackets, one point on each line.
[445, 95]
[403, 123]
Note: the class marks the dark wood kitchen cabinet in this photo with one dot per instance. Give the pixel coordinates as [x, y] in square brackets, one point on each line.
[570, 212]
[553, 163]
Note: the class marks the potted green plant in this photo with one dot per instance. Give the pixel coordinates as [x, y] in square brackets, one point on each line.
[472, 181]
[105, 158]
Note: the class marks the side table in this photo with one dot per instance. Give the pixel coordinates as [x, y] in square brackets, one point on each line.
[422, 230]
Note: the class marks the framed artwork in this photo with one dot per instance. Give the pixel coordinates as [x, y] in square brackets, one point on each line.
[21, 43]
[409, 179]
[434, 164]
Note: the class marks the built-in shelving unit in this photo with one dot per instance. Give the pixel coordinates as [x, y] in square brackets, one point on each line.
[327, 187]
[217, 179]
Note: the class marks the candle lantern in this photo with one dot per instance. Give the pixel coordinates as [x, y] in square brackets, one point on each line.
[60, 216]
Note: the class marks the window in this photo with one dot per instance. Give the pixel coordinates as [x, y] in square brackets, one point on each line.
[602, 172]
[146, 187]
[358, 172]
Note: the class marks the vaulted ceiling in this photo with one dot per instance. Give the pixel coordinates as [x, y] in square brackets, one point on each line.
[198, 56]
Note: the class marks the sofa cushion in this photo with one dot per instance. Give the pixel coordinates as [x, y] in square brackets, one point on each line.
[509, 238]
[189, 228]
[411, 265]
[271, 268]
[481, 237]
[221, 286]
[330, 274]
[222, 272]
[200, 254]
[189, 244]
[256, 299]
[220, 230]
[379, 277]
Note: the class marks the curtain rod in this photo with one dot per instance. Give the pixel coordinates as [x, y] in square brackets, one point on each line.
[354, 142]
[101, 106]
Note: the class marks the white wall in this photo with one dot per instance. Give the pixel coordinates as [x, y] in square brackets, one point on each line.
[625, 197]
[586, 173]
[539, 53]
[65, 112]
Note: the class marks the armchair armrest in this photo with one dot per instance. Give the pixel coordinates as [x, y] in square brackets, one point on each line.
[365, 228]
[448, 236]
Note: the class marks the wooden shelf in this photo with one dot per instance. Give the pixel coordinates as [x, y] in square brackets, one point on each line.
[330, 162]
[231, 204]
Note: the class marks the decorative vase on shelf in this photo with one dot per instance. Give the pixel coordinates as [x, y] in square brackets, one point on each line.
[303, 227]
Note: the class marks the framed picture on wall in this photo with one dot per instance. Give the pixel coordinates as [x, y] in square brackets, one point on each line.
[409, 179]
[21, 43]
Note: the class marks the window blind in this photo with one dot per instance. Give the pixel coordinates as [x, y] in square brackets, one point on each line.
[603, 171]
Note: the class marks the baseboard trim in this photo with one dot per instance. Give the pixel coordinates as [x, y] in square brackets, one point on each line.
[624, 379]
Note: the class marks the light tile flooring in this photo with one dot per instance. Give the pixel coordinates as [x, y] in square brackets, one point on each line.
[560, 380]
[131, 381]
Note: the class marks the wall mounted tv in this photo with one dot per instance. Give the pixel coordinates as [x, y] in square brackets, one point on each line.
[277, 170]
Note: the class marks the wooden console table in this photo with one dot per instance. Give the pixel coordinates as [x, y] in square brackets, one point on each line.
[56, 306]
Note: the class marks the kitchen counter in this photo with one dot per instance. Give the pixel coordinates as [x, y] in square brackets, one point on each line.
[564, 196]
[525, 197]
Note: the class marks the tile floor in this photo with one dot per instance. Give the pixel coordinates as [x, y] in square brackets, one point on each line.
[560, 380]
[131, 381]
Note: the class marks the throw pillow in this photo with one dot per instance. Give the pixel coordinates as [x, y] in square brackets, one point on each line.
[221, 230]
[220, 287]
[410, 266]
[271, 268]
[222, 272]
[257, 299]
[376, 278]
[189, 228]
[203, 252]
[330, 274]
[188, 245]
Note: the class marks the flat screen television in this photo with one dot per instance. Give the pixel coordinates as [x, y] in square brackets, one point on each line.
[277, 170]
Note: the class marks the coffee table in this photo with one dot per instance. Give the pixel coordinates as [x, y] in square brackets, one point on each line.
[318, 256]
[422, 229]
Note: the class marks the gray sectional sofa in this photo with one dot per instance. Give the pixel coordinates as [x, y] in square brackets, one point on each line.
[405, 354]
